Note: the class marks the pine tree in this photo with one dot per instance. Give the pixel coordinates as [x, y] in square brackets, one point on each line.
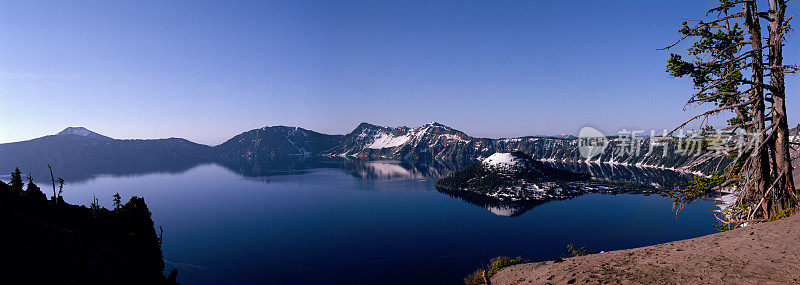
[723, 55]
[33, 191]
[16, 180]
[117, 201]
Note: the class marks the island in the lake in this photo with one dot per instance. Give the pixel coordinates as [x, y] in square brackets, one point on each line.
[517, 178]
[514, 176]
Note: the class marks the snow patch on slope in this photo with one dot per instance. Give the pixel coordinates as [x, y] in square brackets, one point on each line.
[81, 131]
[387, 141]
[726, 199]
[502, 159]
[75, 131]
[451, 138]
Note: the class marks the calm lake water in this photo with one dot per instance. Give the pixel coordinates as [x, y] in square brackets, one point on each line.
[374, 222]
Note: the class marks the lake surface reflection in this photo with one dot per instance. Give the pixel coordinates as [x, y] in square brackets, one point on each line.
[346, 221]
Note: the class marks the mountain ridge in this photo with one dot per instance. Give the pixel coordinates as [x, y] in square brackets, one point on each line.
[276, 141]
[429, 142]
[77, 146]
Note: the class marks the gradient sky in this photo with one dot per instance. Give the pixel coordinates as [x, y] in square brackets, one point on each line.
[207, 71]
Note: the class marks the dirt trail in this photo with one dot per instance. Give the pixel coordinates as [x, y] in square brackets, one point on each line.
[767, 253]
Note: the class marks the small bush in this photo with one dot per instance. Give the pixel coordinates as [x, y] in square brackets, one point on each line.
[576, 251]
[494, 266]
[724, 227]
[785, 214]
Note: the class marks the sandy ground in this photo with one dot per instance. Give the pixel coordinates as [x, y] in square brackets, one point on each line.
[764, 253]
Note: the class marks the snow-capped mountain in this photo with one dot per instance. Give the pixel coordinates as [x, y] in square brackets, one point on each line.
[81, 131]
[437, 142]
[432, 141]
[80, 146]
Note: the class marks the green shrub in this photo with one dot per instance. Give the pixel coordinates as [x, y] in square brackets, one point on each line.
[576, 251]
[494, 266]
[785, 214]
[698, 187]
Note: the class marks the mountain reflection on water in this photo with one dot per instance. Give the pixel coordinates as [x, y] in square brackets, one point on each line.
[652, 180]
[82, 171]
[387, 169]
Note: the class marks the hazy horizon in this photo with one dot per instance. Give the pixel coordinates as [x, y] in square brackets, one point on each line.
[208, 71]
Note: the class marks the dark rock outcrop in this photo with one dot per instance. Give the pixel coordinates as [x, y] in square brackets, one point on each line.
[45, 243]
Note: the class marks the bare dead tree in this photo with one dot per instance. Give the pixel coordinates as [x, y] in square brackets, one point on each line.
[53, 180]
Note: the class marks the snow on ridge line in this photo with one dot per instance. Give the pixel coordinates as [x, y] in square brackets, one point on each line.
[389, 140]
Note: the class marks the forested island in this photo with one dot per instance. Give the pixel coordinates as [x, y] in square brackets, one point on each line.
[518, 177]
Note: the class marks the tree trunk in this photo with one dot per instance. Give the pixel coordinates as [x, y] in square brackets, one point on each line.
[52, 179]
[760, 159]
[784, 193]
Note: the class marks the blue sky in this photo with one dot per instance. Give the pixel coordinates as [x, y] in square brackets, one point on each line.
[207, 71]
